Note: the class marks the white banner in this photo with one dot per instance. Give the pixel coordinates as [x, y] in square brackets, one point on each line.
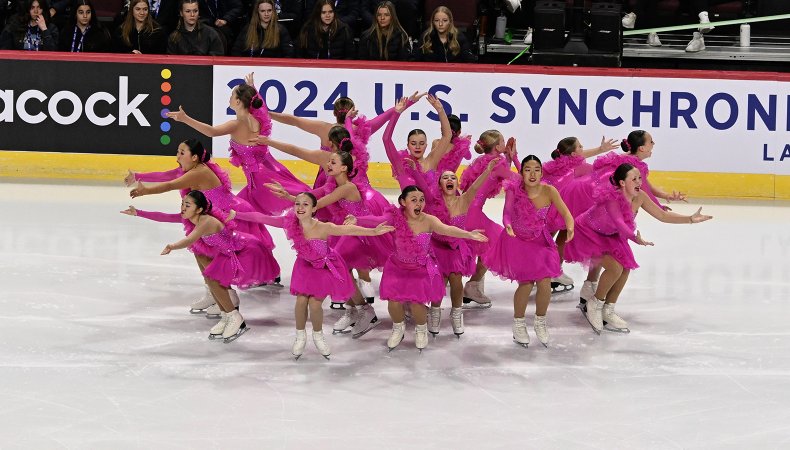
[698, 125]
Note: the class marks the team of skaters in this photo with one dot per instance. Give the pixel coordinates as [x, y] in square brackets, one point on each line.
[564, 210]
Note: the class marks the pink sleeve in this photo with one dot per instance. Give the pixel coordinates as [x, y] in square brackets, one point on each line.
[157, 177]
[517, 163]
[389, 147]
[616, 214]
[377, 122]
[507, 212]
[275, 221]
[159, 216]
[373, 221]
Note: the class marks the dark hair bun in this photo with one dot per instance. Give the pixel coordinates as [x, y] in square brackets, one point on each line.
[555, 154]
[256, 102]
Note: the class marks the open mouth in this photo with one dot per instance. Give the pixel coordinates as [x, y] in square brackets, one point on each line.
[449, 186]
[417, 211]
[532, 180]
[637, 189]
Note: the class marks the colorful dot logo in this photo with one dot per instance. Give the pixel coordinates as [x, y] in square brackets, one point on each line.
[166, 88]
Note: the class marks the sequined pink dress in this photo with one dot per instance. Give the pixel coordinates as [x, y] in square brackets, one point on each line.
[240, 259]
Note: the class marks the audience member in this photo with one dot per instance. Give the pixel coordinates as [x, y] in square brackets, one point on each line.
[30, 29]
[191, 37]
[87, 34]
[385, 40]
[139, 33]
[224, 16]
[442, 42]
[323, 36]
[264, 37]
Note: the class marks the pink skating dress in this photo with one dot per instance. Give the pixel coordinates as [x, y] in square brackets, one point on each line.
[604, 229]
[532, 254]
[240, 259]
[361, 252]
[411, 274]
[260, 167]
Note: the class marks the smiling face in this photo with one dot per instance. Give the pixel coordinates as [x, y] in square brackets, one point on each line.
[417, 145]
[265, 12]
[448, 182]
[186, 160]
[383, 17]
[632, 184]
[140, 11]
[578, 149]
[303, 206]
[531, 173]
[441, 22]
[188, 208]
[327, 14]
[335, 166]
[413, 204]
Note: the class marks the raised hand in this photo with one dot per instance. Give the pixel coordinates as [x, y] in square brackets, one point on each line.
[383, 228]
[698, 217]
[130, 178]
[492, 164]
[400, 106]
[478, 236]
[352, 113]
[510, 148]
[509, 230]
[130, 211]
[568, 235]
[609, 144]
[350, 220]
[416, 96]
[250, 79]
[641, 241]
[168, 248]
[277, 189]
[139, 191]
[409, 162]
[436, 103]
[677, 196]
[178, 116]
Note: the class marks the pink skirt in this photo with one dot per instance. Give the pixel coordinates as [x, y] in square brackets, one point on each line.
[588, 247]
[320, 282]
[364, 252]
[251, 266]
[522, 260]
[577, 195]
[411, 282]
[454, 257]
[477, 220]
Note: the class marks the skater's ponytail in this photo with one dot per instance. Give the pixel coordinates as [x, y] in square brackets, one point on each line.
[455, 124]
[341, 138]
[200, 201]
[635, 139]
[196, 148]
[620, 174]
[248, 96]
[341, 107]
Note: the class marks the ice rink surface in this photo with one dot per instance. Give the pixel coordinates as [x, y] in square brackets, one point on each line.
[99, 350]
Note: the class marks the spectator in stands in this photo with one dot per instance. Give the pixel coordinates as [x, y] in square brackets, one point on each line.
[84, 33]
[323, 36]
[30, 29]
[385, 40]
[264, 37]
[408, 12]
[139, 33]
[442, 42]
[224, 16]
[192, 38]
[347, 11]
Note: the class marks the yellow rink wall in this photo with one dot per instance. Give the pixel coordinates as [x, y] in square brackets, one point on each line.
[113, 168]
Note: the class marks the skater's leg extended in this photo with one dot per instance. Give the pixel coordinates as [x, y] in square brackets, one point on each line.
[610, 275]
[521, 298]
[317, 313]
[480, 271]
[542, 297]
[300, 311]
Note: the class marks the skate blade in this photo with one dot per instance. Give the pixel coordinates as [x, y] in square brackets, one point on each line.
[346, 331]
[296, 357]
[457, 335]
[213, 316]
[584, 313]
[370, 299]
[197, 311]
[326, 356]
[373, 325]
[616, 330]
[390, 349]
[238, 334]
[434, 334]
[520, 343]
[214, 337]
[337, 306]
[561, 288]
[471, 304]
[545, 344]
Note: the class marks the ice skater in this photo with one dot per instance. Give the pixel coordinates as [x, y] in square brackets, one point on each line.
[525, 251]
[319, 271]
[602, 235]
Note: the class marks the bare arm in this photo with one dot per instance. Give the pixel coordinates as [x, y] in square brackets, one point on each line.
[318, 157]
[670, 216]
[312, 126]
[347, 191]
[354, 230]
[448, 230]
[657, 192]
[203, 128]
[275, 221]
[606, 145]
[202, 229]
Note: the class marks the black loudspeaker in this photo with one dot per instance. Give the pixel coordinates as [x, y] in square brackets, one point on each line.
[549, 32]
[605, 28]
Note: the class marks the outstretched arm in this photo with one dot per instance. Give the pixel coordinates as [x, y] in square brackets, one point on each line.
[606, 145]
[152, 215]
[389, 146]
[670, 216]
[377, 122]
[318, 157]
[316, 127]
[275, 221]
[132, 177]
[354, 230]
[346, 191]
[203, 128]
[471, 191]
[200, 230]
[185, 181]
[437, 226]
[653, 192]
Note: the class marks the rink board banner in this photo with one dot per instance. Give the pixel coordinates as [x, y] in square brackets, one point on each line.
[714, 125]
[98, 107]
